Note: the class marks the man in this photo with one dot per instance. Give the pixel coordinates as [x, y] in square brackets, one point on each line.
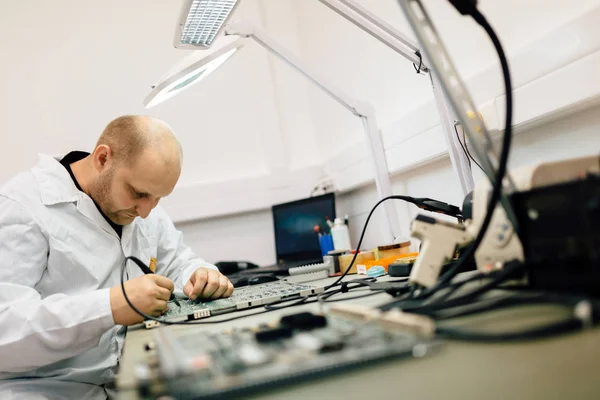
[66, 227]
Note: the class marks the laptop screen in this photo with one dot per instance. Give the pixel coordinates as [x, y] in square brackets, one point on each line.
[295, 238]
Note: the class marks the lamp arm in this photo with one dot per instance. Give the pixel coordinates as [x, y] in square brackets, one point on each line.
[379, 29]
[248, 30]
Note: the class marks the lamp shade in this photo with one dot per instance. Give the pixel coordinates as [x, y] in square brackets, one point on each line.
[193, 69]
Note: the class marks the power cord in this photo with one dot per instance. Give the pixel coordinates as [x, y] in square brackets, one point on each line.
[422, 202]
[322, 297]
[585, 314]
[419, 305]
[418, 68]
[465, 148]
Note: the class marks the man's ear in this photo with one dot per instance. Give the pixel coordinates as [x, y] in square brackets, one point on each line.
[102, 156]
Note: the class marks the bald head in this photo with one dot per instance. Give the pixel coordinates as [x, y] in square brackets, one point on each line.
[130, 136]
[136, 162]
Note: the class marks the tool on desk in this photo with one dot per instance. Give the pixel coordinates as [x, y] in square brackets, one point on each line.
[146, 270]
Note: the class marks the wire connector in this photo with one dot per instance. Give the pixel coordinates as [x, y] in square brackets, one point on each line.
[417, 324]
[465, 7]
[355, 311]
[439, 242]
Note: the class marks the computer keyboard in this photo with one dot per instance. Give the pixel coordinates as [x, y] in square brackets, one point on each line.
[244, 297]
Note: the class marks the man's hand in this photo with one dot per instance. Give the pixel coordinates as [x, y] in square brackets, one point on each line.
[207, 284]
[149, 294]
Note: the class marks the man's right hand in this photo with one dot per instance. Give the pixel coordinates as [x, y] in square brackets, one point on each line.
[149, 294]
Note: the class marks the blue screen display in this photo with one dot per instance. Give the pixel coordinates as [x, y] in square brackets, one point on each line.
[294, 226]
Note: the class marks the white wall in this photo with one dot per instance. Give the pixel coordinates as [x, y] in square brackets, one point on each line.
[247, 236]
[70, 67]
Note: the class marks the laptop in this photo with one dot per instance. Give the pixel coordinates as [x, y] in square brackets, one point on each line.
[296, 242]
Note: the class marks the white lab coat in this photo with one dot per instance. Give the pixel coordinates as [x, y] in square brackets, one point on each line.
[58, 259]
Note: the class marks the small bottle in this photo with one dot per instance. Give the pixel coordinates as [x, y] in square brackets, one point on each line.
[340, 235]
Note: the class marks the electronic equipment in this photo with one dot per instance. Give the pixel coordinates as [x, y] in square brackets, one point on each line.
[296, 242]
[557, 206]
[242, 298]
[196, 364]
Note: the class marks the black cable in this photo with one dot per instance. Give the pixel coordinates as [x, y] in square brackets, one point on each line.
[461, 144]
[500, 277]
[313, 298]
[490, 304]
[587, 316]
[417, 305]
[362, 235]
[371, 293]
[465, 148]
[223, 320]
[297, 301]
[469, 152]
[418, 69]
[567, 325]
[424, 203]
[453, 288]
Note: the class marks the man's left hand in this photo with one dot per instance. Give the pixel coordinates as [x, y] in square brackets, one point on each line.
[207, 284]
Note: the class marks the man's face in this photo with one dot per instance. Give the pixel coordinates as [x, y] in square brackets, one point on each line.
[125, 192]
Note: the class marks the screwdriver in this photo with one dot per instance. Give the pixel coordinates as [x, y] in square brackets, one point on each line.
[146, 270]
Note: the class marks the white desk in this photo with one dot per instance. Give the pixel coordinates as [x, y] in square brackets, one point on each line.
[565, 367]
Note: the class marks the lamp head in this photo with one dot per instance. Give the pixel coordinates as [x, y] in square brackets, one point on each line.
[193, 69]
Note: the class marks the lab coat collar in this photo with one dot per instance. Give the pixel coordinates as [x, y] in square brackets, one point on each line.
[57, 186]
[55, 183]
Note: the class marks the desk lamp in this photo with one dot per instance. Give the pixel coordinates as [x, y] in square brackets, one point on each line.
[201, 19]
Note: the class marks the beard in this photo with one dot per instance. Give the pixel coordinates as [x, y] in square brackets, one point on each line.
[101, 192]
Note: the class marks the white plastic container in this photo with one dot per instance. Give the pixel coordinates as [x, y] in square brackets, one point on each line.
[340, 235]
